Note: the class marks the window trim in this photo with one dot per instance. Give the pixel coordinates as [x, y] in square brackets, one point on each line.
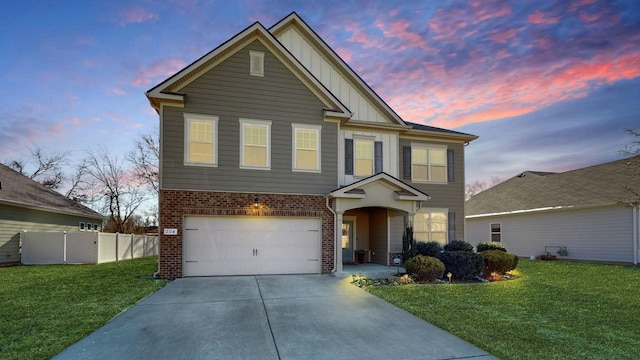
[307, 127]
[188, 117]
[258, 56]
[371, 140]
[430, 211]
[253, 122]
[499, 233]
[428, 148]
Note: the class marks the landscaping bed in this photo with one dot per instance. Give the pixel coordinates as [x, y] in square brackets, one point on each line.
[46, 308]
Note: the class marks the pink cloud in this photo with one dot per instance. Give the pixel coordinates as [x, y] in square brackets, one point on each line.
[398, 29]
[135, 15]
[540, 18]
[159, 69]
[503, 36]
[117, 91]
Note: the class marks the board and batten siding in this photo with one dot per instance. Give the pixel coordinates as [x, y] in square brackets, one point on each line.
[230, 92]
[596, 234]
[330, 76]
[443, 196]
[389, 152]
[14, 220]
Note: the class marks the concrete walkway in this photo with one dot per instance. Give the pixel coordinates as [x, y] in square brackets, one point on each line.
[268, 317]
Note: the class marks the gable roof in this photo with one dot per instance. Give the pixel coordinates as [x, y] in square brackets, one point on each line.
[402, 190]
[168, 91]
[18, 190]
[616, 182]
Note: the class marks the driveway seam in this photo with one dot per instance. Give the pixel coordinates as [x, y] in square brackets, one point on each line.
[266, 313]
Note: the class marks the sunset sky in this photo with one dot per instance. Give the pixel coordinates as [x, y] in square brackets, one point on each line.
[547, 85]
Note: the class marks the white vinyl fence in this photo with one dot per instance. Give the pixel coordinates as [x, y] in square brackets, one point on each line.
[84, 247]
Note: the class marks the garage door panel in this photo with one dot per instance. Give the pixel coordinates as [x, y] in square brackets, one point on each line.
[251, 245]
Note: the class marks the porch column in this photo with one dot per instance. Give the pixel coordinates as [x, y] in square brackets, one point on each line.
[338, 241]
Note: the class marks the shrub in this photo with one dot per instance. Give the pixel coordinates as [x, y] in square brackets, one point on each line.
[546, 256]
[425, 267]
[498, 261]
[431, 248]
[491, 245]
[458, 245]
[462, 265]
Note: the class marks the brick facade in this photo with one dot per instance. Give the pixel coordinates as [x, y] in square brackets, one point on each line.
[175, 204]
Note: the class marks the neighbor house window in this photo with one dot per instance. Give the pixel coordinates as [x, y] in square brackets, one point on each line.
[81, 226]
[363, 157]
[256, 61]
[95, 227]
[255, 147]
[496, 232]
[200, 144]
[428, 164]
[306, 147]
[430, 226]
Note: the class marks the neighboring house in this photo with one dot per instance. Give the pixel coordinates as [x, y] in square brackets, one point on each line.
[585, 214]
[277, 158]
[26, 205]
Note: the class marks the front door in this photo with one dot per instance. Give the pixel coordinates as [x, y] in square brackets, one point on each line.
[347, 241]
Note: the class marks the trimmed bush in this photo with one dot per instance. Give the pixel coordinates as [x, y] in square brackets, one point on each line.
[425, 267]
[458, 245]
[490, 245]
[498, 261]
[463, 265]
[431, 248]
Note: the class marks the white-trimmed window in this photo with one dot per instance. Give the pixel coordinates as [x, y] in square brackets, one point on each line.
[306, 147]
[364, 157]
[255, 144]
[81, 226]
[496, 232]
[430, 225]
[200, 140]
[256, 63]
[428, 164]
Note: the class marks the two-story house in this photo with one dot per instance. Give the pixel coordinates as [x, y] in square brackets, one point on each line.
[277, 158]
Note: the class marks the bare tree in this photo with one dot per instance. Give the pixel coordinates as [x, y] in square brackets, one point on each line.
[633, 163]
[478, 186]
[115, 192]
[42, 167]
[146, 157]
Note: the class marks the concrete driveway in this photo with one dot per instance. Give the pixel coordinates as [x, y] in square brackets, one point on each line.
[268, 317]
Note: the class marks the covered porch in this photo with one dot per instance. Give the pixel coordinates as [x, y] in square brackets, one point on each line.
[371, 216]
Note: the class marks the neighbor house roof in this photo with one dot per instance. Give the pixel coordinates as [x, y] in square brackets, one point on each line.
[616, 182]
[18, 190]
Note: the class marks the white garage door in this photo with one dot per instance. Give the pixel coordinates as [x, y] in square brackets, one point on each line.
[251, 245]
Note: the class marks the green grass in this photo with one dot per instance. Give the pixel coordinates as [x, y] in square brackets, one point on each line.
[554, 310]
[46, 308]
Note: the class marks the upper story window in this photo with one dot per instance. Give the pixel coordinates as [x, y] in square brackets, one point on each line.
[496, 232]
[306, 147]
[256, 63]
[200, 144]
[430, 226]
[428, 164]
[363, 157]
[255, 144]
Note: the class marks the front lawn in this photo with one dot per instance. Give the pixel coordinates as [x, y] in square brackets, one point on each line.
[554, 310]
[46, 308]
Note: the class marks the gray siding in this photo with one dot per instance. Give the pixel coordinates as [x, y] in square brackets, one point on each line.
[450, 195]
[13, 220]
[229, 92]
[597, 234]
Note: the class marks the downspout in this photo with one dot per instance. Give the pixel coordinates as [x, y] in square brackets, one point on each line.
[636, 233]
[335, 232]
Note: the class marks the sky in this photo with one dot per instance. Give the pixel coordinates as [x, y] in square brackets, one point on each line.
[546, 85]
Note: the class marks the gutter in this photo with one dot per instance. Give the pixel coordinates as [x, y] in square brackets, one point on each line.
[636, 233]
[335, 238]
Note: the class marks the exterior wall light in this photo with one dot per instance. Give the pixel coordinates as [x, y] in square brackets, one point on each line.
[255, 202]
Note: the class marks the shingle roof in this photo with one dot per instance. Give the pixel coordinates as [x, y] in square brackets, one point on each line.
[604, 184]
[435, 129]
[18, 190]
